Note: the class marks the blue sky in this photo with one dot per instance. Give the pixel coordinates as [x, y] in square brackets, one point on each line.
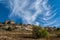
[49, 16]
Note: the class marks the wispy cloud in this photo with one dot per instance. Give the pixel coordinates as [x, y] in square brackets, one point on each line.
[50, 23]
[29, 11]
[19, 8]
[48, 18]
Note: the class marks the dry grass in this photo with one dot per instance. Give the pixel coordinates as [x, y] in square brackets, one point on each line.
[25, 35]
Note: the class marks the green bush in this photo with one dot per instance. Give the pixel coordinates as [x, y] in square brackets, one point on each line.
[43, 33]
[58, 34]
[39, 32]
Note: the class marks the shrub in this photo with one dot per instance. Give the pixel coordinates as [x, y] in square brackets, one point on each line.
[58, 34]
[43, 33]
[39, 32]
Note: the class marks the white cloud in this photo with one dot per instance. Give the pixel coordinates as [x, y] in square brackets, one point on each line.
[17, 8]
[50, 23]
[48, 18]
[37, 23]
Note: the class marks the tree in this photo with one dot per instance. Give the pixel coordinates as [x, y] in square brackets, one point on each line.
[21, 23]
[58, 29]
[9, 29]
